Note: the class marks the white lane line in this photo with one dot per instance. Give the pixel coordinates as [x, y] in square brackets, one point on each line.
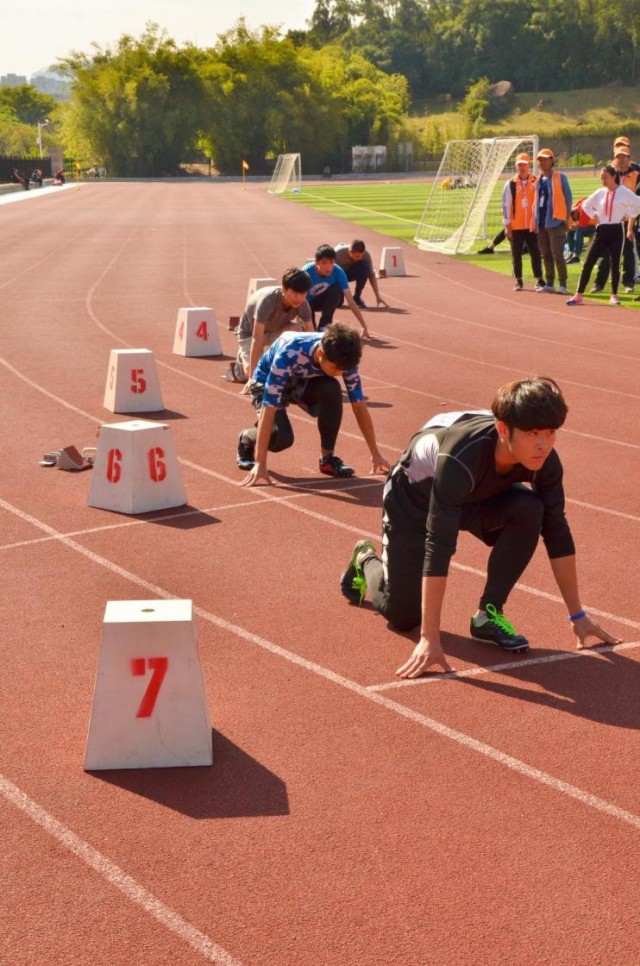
[431, 724]
[292, 493]
[266, 495]
[117, 877]
[474, 672]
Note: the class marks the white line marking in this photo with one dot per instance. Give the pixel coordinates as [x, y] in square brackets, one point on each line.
[466, 741]
[117, 877]
[475, 672]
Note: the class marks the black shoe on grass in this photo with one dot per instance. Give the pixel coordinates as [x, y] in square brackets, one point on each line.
[498, 630]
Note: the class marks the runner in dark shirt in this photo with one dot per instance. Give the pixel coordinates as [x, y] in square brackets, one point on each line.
[495, 474]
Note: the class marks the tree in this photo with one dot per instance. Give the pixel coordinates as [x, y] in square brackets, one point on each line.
[138, 108]
[26, 103]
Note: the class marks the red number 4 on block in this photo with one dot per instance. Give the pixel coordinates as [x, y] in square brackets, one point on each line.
[158, 667]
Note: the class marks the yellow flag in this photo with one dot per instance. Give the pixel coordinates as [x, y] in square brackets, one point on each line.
[245, 166]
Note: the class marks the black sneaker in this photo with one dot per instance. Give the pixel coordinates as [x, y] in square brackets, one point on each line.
[359, 302]
[333, 466]
[488, 250]
[352, 583]
[498, 630]
[246, 453]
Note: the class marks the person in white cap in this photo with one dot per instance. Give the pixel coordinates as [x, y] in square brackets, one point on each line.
[552, 210]
[609, 205]
[518, 200]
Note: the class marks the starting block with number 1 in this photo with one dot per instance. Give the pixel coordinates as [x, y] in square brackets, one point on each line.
[392, 262]
[149, 705]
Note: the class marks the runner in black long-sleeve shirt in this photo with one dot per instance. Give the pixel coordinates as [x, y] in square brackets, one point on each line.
[494, 474]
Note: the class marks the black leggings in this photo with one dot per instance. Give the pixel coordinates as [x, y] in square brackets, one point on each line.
[322, 398]
[521, 239]
[509, 523]
[607, 238]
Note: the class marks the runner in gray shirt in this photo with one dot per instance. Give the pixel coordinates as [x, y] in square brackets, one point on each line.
[268, 313]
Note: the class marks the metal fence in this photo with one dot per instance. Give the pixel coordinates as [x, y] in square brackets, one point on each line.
[24, 165]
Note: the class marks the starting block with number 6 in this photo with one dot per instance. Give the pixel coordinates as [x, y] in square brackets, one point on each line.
[149, 705]
[392, 262]
[197, 333]
[256, 283]
[132, 382]
[136, 468]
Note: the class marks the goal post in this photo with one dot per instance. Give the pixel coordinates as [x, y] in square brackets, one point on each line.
[464, 204]
[287, 174]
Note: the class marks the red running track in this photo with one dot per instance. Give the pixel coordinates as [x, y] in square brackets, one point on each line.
[487, 817]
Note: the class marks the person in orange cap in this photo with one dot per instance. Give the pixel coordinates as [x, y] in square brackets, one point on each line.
[627, 175]
[552, 210]
[518, 200]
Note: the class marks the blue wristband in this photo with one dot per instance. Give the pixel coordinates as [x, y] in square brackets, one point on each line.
[576, 617]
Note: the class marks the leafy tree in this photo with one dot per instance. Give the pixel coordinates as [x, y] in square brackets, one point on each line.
[136, 108]
[27, 103]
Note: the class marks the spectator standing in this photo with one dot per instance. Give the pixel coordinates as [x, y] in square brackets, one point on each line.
[552, 210]
[518, 200]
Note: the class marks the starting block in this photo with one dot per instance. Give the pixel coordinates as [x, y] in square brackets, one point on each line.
[256, 283]
[392, 262]
[136, 469]
[149, 705]
[132, 382]
[197, 333]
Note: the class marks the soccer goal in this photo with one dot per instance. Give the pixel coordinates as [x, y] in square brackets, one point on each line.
[464, 203]
[287, 174]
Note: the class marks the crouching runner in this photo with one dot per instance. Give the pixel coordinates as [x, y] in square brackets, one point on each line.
[303, 369]
[495, 474]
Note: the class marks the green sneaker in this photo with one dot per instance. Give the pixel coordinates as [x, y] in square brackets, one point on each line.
[352, 583]
[498, 630]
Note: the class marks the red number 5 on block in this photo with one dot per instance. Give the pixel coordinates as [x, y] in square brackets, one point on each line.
[158, 667]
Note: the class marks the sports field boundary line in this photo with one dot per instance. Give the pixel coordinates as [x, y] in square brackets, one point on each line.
[466, 741]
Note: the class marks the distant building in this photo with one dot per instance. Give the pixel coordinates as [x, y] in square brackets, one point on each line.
[12, 80]
[48, 82]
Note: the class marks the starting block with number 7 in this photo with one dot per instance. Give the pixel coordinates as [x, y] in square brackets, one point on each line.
[136, 468]
[132, 382]
[197, 333]
[149, 705]
[392, 262]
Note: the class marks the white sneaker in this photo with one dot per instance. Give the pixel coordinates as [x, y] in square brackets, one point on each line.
[562, 290]
[629, 289]
[550, 290]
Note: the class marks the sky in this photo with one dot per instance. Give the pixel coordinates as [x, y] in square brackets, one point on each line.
[36, 33]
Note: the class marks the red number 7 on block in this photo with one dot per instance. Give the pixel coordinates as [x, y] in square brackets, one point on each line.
[158, 667]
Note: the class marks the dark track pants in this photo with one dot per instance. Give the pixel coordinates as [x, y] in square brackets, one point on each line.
[607, 239]
[326, 303]
[321, 398]
[508, 523]
[521, 238]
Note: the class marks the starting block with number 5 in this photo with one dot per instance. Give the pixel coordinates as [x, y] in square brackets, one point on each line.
[132, 382]
[392, 262]
[149, 705]
[136, 468]
[197, 333]
[256, 283]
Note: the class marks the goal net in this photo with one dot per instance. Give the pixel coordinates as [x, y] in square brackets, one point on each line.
[287, 174]
[464, 204]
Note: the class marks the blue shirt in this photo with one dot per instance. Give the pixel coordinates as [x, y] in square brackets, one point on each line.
[288, 363]
[320, 283]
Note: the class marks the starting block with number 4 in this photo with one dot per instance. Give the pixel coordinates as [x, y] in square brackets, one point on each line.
[149, 705]
[197, 333]
[132, 382]
[136, 468]
[392, 262]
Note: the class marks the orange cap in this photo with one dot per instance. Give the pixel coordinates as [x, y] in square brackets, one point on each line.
[545, 153]
[523, 159]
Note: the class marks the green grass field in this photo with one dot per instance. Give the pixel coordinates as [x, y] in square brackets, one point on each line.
[395, 209]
